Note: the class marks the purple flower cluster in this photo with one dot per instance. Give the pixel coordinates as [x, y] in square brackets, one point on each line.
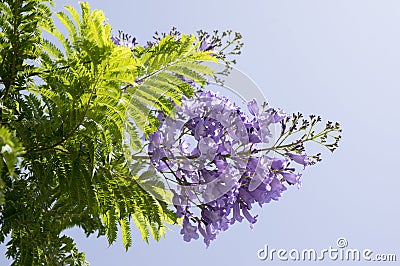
[218, 162]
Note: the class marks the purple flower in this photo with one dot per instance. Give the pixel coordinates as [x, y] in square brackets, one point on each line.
[300, 159]
[291, 178]
[236, 213]
[278, 163]
[208, 233]
[252, 220]
[276, 115]
[276, 189]
[188, 231]
[253, 107]
[178, 203]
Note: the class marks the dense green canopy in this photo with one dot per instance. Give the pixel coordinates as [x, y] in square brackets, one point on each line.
[72, 114]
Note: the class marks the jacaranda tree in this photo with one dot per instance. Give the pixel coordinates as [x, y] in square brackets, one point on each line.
[96, 132]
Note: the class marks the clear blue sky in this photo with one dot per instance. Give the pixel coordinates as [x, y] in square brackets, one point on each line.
[336, 58]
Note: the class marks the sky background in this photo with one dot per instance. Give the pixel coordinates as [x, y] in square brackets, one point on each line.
[339, 59]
